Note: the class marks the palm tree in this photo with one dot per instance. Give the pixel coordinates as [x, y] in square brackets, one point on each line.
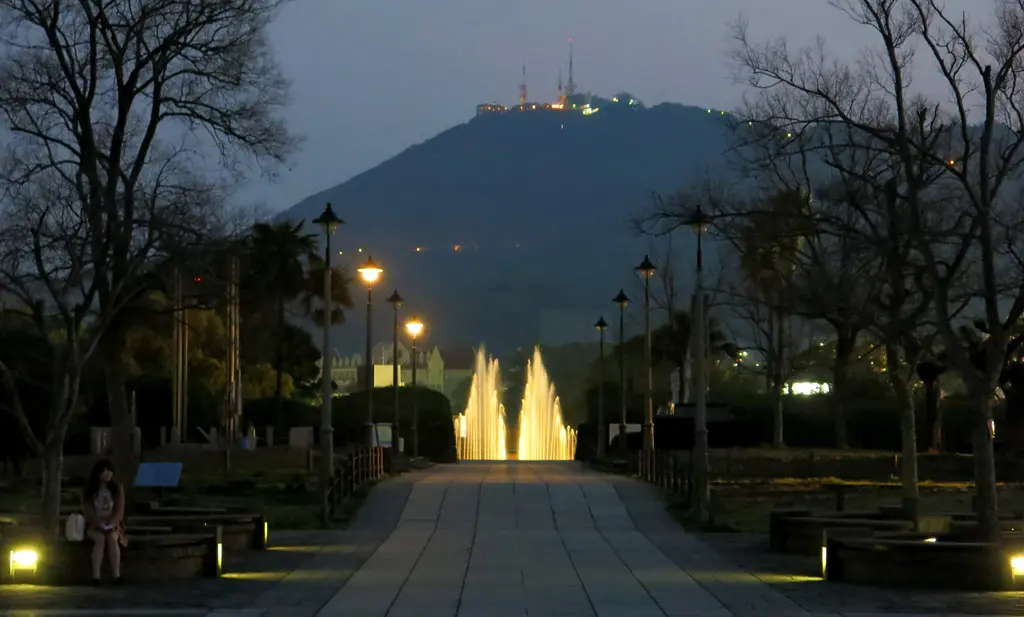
[278, 256]
[311, 298]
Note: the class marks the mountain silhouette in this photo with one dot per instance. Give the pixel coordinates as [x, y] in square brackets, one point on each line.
[515, 228]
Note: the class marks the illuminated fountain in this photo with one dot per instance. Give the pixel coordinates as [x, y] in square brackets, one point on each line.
[542, 435]
[481, 429]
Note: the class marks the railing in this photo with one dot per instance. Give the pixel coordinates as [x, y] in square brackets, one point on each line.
[354, 469]
[668, 470]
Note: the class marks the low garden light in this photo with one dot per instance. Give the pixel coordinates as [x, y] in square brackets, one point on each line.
[1017, 565]
[824, 562]
[23, 560]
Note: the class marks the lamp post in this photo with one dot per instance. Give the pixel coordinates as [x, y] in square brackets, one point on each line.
[699, 222]
[414, 327]
[395, 300]
[646, 270]
[329, 222]
[601, 439]
[370, 273]
[623, 302]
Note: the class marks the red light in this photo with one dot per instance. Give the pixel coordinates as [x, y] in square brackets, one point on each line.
[198, 279]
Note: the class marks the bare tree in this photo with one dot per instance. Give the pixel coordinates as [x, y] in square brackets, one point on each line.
[963, 146]
[136, 114]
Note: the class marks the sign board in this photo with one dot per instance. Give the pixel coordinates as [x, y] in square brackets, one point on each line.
[158, 475]
[382, 435]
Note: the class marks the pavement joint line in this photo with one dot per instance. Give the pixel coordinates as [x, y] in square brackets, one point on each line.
[405, 581]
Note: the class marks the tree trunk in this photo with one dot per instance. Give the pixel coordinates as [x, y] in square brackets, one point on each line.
[934, 413]
[910, 495]
[778, 383]
[279, 359]
[53, 467]
[840, 372]
[121, 422]
[984, 465]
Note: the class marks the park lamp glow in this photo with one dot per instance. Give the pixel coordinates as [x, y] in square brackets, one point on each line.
[329, 221]
[23, 559]
[414, 327]
[370, 272]
[266, 532]
[824, 562]
[646, 268]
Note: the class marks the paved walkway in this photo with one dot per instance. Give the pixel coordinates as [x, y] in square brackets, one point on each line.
[478, 540]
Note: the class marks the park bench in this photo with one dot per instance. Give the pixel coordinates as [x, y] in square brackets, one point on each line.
[920, 562]
[148, 556]
[240, 530]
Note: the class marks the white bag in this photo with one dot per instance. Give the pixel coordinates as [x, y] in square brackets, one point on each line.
[74, 528]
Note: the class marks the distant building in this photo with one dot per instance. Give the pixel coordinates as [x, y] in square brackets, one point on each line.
[441, 371]
[490, 108]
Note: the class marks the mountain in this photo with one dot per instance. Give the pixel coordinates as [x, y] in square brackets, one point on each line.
[515, 228]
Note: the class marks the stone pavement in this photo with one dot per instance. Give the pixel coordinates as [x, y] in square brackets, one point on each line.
[504, 539]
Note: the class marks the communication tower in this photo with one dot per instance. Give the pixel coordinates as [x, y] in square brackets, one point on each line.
[570, 86]
[522, 88]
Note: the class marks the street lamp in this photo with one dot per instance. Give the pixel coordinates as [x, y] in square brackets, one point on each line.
[699, 222]
[601, 439]
[395, 300]
[370, 273]
[646, 270]
[329, 222]
[414, 327]
[623, 302]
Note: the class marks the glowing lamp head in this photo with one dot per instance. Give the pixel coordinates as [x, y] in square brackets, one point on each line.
[414, 327]
[370, 272]
[601, 324]
[622, 300]
[699, 221]
[646, 268]
[328, 220]
[23, 560]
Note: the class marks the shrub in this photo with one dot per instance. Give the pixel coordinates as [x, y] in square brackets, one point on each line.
[436, 428]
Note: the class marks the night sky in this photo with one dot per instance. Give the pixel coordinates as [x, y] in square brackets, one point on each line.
[372, 78]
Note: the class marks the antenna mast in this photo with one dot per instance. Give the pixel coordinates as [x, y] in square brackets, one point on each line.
[570, 87]
[522, 88]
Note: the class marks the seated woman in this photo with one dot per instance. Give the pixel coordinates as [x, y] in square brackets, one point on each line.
[103, 504]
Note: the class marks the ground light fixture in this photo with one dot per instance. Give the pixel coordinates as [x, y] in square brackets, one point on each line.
[23, 560]
[1017, 565]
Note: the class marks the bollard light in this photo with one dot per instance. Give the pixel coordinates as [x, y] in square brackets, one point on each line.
[24, 559]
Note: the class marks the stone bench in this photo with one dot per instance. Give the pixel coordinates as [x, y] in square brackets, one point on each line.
[154, 557]
[920, 563]
[240, 530]
[801, 532]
